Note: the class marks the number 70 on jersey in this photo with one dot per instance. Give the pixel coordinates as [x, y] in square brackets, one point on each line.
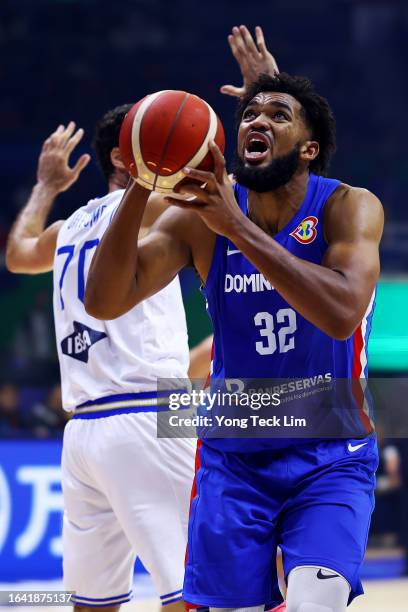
[69, 251]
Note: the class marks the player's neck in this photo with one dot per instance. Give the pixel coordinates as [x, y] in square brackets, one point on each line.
[272, 210]
[118, 180]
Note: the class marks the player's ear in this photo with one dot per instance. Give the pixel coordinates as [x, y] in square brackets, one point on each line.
[309, 150]
[116, 159]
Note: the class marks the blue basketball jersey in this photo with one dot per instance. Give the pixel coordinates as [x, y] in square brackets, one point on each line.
[257, 333]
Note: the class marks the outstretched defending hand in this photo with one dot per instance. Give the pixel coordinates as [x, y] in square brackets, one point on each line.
[215, 202]
[253, 59]
[53, 171]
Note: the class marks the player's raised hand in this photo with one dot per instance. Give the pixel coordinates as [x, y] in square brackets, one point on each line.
[253, 58]
[215, 202]
[53, 170]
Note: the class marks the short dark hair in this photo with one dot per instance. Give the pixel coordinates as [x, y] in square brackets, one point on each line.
[106, 137]
[316, 109]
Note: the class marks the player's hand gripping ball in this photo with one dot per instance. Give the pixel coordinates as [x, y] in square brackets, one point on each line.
[165, 132]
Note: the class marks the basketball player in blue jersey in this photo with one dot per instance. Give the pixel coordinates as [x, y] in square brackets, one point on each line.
[314, 242]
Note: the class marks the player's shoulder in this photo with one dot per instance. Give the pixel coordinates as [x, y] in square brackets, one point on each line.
[348, 195]
[113, 198]
[94, 210]
[353, 209]
[348, 202]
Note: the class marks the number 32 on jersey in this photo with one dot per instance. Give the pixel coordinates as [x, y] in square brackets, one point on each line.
[282, 338]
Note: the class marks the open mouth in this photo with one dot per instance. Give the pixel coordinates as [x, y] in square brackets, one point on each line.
[257, 147]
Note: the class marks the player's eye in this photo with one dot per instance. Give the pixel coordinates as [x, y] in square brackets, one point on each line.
[281, 116]
[248, 114]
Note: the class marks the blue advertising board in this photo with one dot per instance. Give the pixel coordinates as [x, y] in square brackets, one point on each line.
[30, 510]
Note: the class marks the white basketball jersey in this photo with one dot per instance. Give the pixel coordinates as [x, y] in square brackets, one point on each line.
[128, 354]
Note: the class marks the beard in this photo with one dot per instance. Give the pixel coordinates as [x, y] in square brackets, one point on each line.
[277, 173]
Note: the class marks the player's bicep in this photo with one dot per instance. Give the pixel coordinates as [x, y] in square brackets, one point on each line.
[34, 255]
[354, 231]
[353, 259]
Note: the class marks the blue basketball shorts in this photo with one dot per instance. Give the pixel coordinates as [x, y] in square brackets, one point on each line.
[313, 500]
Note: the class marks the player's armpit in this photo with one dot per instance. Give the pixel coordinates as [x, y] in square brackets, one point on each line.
[33, 255]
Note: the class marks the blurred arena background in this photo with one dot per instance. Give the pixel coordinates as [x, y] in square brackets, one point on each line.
[74, 59]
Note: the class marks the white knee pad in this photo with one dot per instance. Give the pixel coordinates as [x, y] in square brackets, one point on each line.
[316, 589]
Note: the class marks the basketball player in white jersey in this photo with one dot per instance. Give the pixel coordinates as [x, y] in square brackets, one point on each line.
[126, 493]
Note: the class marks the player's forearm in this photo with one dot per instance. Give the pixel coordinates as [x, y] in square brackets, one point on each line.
[29, 224]
[323, 296]
[111, 288]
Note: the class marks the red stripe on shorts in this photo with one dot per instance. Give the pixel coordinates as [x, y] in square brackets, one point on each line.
[190, 606]
[357, 372]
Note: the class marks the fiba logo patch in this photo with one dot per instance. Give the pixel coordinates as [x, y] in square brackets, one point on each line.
[77, 345]
[306, 231]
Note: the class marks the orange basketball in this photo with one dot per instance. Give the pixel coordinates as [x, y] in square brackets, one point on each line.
[163, 133]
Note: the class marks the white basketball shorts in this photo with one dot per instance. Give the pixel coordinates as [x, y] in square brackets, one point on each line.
[126, 494]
